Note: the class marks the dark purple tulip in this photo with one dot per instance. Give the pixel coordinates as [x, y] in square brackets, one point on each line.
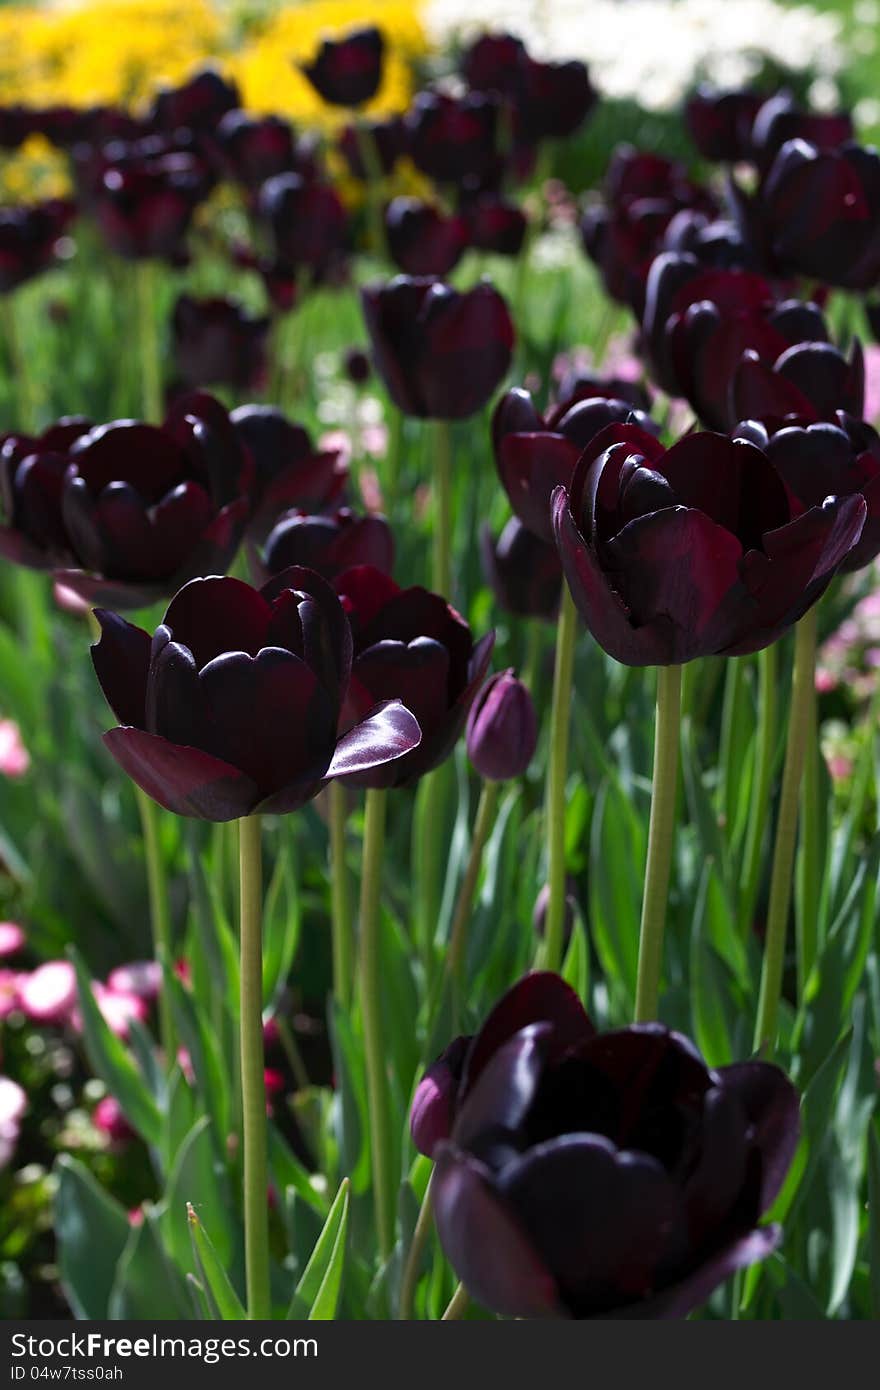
[720, 122]
[580, 385]
[433, 1108]
[147, 507]
[700, 323]
[328, 544]
[217, 343]
[716, 242]
[252, 149]
[622, 234]
[494, 63]
[423, 240]
[440, 353]
[357, 368]
[29, 237]
[32, 470]
[306, 221]
[812, 379]
[554, 100]
[144, 206]
[15, 126]
[232, 706]
[198, 104]
[347, 71]
[817, 458]
[289, 471]
[535, 453]
[453, 139]
[522, 571]
[389, 139]
[412, 642]
[495, 224]
[502, 729]
[819, 213]
[591, 1175]
[695, 550]
[780, 119]
[542, 902]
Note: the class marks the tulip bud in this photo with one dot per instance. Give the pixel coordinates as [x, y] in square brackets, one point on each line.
[539, 912]
[357, 366]
[502, 730]
[433, 1109]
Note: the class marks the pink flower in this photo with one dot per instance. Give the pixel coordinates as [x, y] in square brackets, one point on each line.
[69, 601]
[118, 1009]
[825, 680]
[14, 757]
[840, 767]
[140, 977]
[12, 938]
[13, 1103]
[109, 1119]
[48, 994]
[872, 382]
[8, 992]
[337, 441]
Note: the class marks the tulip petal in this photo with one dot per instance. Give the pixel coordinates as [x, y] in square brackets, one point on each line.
[772, 1106]
[388, 733]
[216, 615]
[499, 1099]
[530, 467]
[689, 1293]
[539, 997]
[183, 780]
[718, 1179]
[758, 392]
[484, 1243]
[121, 658]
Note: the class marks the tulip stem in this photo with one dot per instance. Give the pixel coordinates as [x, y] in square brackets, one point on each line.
[148, 330]
[661, 832]
[457, 1305]
[253, 1085]
[414, 1255]
[809, 865]
[557, 774]
[442, 557]
[765, 756]
[340, 896]
[485, 819]
[786, 830]
[374, 184]
[371, 1015]
[26, 411]
[160, 916]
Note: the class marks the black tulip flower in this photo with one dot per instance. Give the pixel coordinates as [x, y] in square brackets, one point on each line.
[817, 458]
[328, 543]
[232, 707]
[695, 550]
[198, 104]
[423, 240]
[720, 122]
[716, 242]
[217, 343]
[15, 126]
[554, 100]
[147, 507]
[144, 205]
[289, 471]
[780, 119]
[356, 365]
[589, 1175]
[306, 221]
[522, 571]
[818, 213]
[454, 139]
[29, 238]
[535, 453]
[413, 643]
[623, 232]
[440, 353]
[251, 149]
[494, 63]
[348, 71]
[502, 728]
[580, 385]
[389, 139]
[32, 470]
[700, 323]
[812, 380]
[495, 224]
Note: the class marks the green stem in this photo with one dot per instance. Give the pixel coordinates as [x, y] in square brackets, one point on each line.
[734, 687]
[557, 774]
[160, 916]
[661, 831]
[253, 1087]
[786, 831]
[25, 389]
[765, 753]
[371, 1014]
[429, 850]
[457, 1305]
[810, 853]
[374, 184]
[442, 535]
[485, 819]
[148, 331]
[414, 1255]
[340, 896]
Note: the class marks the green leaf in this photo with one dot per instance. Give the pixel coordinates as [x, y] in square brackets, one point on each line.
[282, 919]
[147, 1285]
[874, 1218]
[318, 1289]
[192, 1024]
[213, 1275]
[112, 1062]
[199, 1178]
[92, 1231]
[576, 966]
[617, 867]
